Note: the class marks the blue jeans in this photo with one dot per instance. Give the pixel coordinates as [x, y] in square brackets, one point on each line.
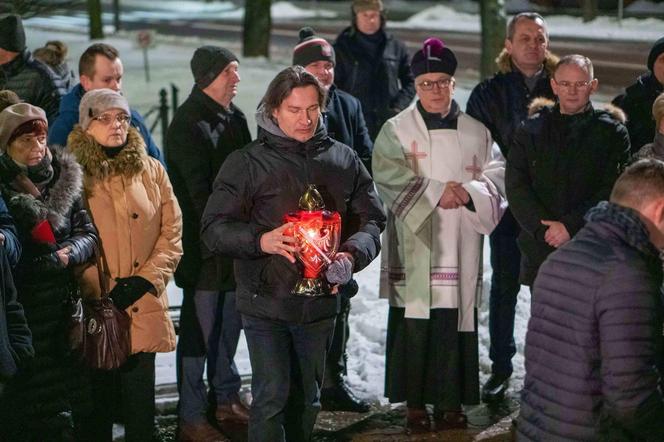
[287, 363]
[505, 262]
[209, 330]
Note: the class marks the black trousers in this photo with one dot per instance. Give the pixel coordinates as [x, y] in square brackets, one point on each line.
[335, 362]
[126, 394]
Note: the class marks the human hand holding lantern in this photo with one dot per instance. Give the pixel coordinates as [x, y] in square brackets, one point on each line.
[317, 233]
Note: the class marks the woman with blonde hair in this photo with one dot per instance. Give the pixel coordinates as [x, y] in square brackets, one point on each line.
[656, 148]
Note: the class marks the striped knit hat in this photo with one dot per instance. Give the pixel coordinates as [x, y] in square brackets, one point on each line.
[312, 48]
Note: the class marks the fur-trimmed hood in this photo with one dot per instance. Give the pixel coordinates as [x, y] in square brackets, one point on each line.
[96, 165]
[61, 194]
[504, 62]
[541, 102]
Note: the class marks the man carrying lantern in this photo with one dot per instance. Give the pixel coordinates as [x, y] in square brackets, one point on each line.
[442, 180]
[257, 186]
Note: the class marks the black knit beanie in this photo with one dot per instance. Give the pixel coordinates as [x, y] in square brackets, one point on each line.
[12, 35]
[208, 62]
[312, 48]
[655, 52]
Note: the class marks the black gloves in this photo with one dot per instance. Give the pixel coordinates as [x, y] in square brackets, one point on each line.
[340, 270]
[129, 290]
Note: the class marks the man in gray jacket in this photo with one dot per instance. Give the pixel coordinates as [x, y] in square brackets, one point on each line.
[594, 338]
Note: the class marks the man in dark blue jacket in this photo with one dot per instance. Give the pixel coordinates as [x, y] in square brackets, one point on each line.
[639, 97]
[99, 67]
[501, 103]
[344, 122]
[595, 331]
[257, 186]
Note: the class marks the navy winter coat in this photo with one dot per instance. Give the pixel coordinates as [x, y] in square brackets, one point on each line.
[594, 336]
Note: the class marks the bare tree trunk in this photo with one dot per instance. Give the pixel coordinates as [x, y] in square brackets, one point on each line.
[257, 28]
[493, 34]
[116, 15]
[96, 25]
[589, 9]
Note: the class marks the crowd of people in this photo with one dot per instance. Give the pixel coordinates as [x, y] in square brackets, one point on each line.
[571, 197]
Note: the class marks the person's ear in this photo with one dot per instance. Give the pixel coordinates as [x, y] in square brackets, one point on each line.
[594, 85]
[86, 82]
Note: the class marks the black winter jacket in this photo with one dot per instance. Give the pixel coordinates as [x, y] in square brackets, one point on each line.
[501, 102]
[594, 337]
[15, 337]
[382, 82]
[559, 166]
[345, 123]
[200, 137]
[47, 384]
[257, 186]
[637, 103]
[32, 81]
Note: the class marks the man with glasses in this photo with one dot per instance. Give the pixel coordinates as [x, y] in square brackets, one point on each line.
[501, 103]
[99, 67]
[441, 178]
[564, 159]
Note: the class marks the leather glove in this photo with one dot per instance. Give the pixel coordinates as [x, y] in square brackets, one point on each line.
[129, 290]
[340, 271]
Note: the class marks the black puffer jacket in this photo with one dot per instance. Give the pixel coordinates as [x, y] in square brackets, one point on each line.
[637, 103]
[501, 102]
[257, 186]
[594, 336]
[559, 166]
[32, 81]
[345, 123]
[50, 383]
[200, 137]
[382, 81]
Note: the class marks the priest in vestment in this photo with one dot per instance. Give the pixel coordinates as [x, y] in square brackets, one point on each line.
[442, 180]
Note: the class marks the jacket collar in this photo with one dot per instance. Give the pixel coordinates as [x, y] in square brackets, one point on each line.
[272, 135]
[212, 105]
[97, 165]
[627, 220]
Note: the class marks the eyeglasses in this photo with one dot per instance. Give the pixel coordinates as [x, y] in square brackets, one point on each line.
[107, 119]
[428, 85]
[573, 84]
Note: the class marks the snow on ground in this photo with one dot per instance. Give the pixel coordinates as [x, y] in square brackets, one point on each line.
[446, 18]
[169, 63]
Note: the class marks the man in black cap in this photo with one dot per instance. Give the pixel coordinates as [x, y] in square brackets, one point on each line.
[204, 131]
[343, 119]
[372, 65]
[638, 99]
[21, 73]
[441, 178]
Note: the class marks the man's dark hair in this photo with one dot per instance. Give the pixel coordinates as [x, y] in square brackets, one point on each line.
[86, 64]
[639, 184]
[283, 84]
[532, 16]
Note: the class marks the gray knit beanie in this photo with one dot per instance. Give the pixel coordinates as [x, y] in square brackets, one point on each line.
[98, 101]
[15, 115]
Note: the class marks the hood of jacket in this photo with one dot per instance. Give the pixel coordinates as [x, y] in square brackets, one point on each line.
[504, 62]
[540, 103]
[129, 162]
[63, 191]
[272, 135]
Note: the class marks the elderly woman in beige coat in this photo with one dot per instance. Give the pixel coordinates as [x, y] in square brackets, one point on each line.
[140, 227]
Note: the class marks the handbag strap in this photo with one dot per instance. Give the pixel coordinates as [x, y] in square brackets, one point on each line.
[100, 256]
